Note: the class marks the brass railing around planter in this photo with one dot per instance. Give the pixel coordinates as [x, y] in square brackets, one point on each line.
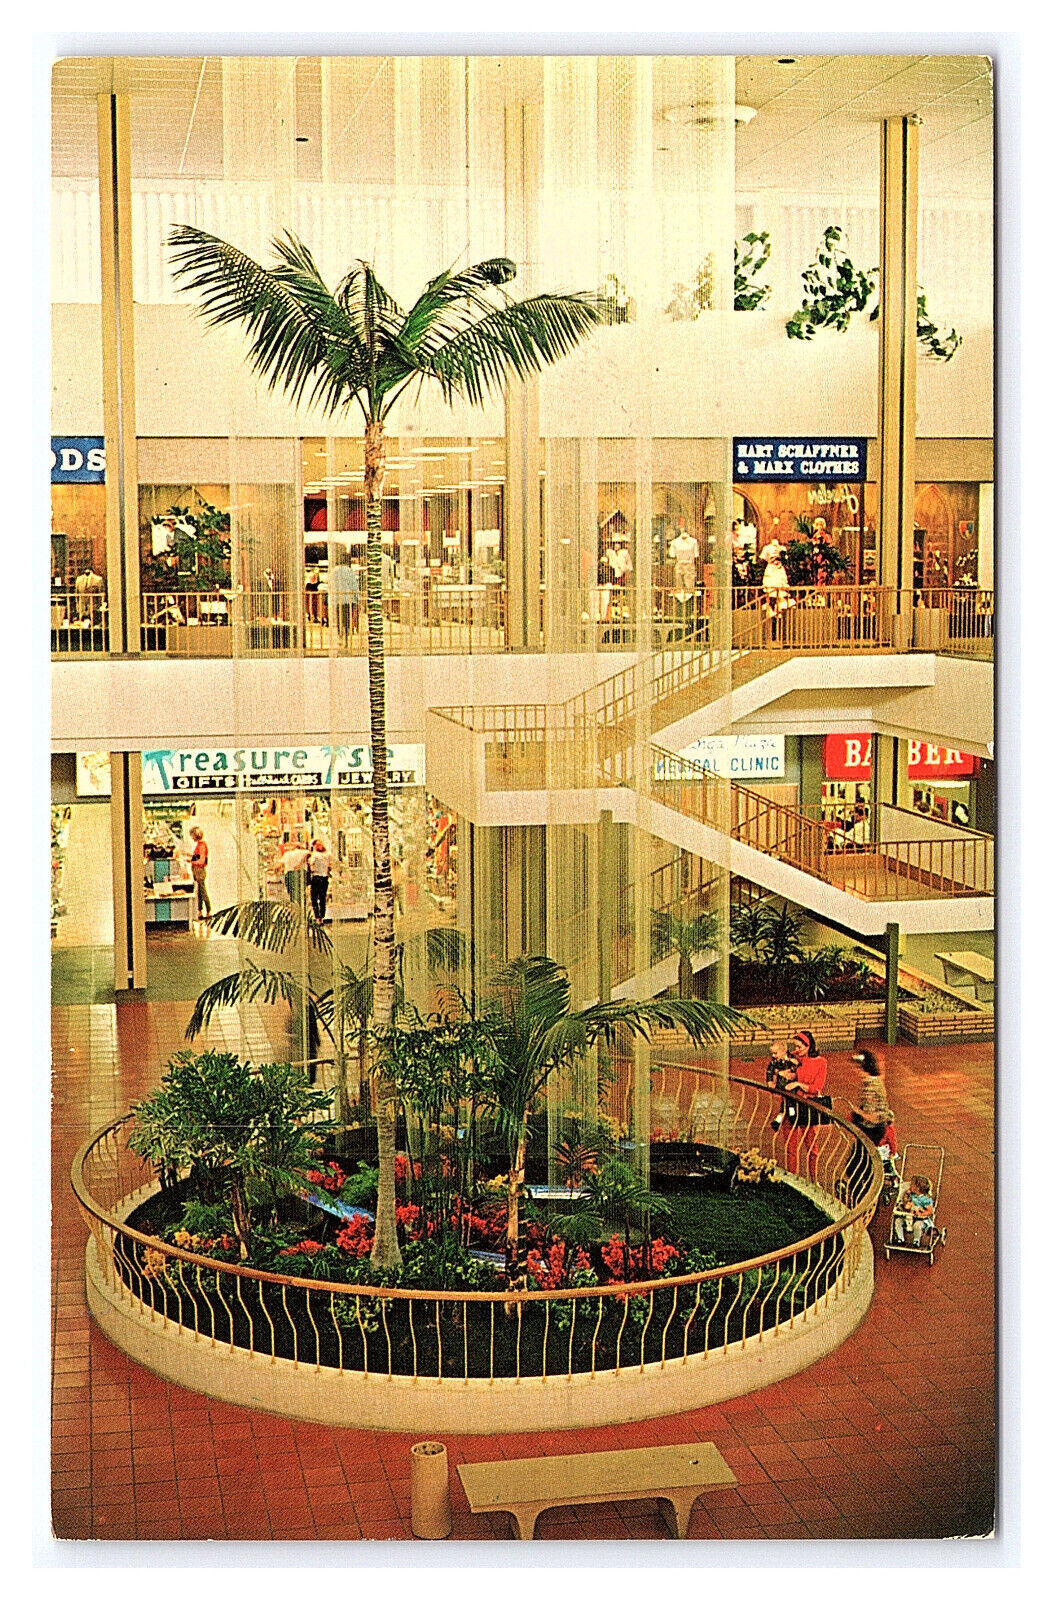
[457, 1336]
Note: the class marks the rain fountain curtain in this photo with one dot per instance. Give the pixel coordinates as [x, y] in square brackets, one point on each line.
[607, 174]
[635, 196]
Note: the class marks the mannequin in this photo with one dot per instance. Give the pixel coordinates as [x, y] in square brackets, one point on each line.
[684, 552]
[89, 587]
[618, 560]
[775, 578]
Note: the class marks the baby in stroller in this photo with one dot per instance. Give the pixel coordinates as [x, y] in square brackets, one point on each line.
[915, 1211]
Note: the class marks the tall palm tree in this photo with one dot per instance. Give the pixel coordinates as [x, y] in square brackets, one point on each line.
[533, 1031]
[355, 344]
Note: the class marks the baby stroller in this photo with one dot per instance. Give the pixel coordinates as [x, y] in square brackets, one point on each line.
[915, 1226]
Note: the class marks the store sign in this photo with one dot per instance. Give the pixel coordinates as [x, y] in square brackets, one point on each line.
[800, 460]
[850, 756]
[219, 771]
[80, 459]
[740, 756]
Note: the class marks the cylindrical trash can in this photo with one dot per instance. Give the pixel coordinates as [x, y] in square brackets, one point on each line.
[429, 1490]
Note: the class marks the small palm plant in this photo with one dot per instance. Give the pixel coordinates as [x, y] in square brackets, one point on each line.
[687, 936]
[355, 345]
[533, 1031]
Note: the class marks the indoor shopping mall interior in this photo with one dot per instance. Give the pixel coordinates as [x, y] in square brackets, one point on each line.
[523, 798]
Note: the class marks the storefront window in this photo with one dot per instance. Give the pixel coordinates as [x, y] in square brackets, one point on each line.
[824, 530]
[945, 536]
[617, 551]
[442, 524]
[184, 538]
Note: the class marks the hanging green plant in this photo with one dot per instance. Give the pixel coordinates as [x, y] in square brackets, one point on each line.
[690, 300]
[939, 346]
[613, 302]
[834, 289]
[751, 255]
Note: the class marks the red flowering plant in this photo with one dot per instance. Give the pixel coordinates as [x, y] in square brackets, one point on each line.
[402, 1170]
[331, 1177]
[630, 1264]
[552, 1269]
[305, 1247]
[356, 1237]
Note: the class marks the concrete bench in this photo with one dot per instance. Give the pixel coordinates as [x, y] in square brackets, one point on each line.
[672, 1474]
[963, 968]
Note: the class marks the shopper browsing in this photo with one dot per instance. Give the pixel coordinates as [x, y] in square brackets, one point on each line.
[320, 863]
[293, 866]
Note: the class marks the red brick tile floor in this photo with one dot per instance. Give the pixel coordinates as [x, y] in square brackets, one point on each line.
[893, 1435]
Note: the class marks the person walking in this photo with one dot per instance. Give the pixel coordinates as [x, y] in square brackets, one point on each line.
[871, 1116]
[320, 864]
[293, 866]
[199, 872]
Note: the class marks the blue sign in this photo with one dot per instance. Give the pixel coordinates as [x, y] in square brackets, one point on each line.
[81, 459]
[800, 460]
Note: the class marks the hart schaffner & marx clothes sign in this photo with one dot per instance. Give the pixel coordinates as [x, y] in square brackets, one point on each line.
[217, 771]
[800, 460]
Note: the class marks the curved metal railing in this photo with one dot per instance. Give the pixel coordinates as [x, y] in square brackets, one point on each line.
[455, 1335]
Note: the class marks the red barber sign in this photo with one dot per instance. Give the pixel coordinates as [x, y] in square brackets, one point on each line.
[850, 756]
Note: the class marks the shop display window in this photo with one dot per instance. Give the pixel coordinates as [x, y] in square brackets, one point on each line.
[683, 533]
[617, 550]
[945, 536]
[79, 599]
[184, 538]
[442, 522]
[823, 529]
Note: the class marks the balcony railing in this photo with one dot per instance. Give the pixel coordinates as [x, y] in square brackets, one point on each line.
[891, 869]
[471, 619]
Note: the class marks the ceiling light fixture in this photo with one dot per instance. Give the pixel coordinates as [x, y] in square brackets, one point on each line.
[702, 114]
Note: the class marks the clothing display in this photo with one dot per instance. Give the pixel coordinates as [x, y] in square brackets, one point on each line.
[684, 552]
[618, 561]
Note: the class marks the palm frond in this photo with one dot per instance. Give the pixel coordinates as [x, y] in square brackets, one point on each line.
[299, 335]
[248, 984]
[518, 339]
[270, 926]
[451, 301]
[446, 947]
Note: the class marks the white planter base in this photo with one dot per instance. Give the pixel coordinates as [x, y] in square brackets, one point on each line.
[474, 1405]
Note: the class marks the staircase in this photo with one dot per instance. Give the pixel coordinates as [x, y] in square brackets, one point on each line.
[605, 740]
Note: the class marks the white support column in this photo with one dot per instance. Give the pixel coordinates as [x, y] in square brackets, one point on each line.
[129, 903]
[118, 374]
[897, 394]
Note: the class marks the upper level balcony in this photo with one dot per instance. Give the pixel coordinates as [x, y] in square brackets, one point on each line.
[422, 618]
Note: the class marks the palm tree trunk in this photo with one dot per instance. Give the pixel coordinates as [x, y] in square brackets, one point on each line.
[516, 1180]
[242, 1224]
[385, 1252]
[686, 976]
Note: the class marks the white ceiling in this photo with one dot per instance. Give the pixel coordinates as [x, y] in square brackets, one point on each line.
[815, 131]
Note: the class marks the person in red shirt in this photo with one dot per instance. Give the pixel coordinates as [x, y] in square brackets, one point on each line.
[198, 870]
[808, 1084]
